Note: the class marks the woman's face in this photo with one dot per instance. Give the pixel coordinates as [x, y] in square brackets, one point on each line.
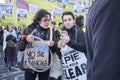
[45, 21]
[10, 26]
[68, 21]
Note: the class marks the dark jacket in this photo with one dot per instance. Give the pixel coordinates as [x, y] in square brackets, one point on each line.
[103, 40]
[11, 37]
[1, 37]
[77, 38]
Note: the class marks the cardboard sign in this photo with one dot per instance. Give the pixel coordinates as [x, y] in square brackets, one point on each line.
[37, 55]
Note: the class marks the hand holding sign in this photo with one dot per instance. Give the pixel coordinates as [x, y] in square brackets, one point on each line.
[60, 44]
[50, 43]
[30, 38]
[36, 55]
[65, 37]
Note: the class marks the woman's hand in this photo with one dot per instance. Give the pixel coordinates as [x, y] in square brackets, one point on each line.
[50, 43]
[65, 38]
[61, 44]
[30, 38]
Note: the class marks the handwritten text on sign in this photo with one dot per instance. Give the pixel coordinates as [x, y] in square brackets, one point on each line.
[38, 55]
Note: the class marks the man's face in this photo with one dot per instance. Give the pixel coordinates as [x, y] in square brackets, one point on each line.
[68, 21]
[45, 21]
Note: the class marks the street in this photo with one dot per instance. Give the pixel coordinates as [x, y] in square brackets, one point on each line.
[5, 74]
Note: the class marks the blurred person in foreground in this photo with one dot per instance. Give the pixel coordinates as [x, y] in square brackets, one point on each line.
[103, 46]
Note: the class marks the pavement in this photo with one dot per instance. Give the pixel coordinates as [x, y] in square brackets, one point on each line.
[5, 74]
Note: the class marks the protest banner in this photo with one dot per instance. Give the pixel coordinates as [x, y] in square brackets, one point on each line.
[73, 64]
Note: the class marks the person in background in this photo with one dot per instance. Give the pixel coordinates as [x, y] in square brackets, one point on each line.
[1, 38]
[56, 69]
[15, 28]
[60, 25]
[20, 30]
[53, 25]
[9, 46]
[22, 27]
[55, 31]
[103, 40]
[79, 21]
[19, 35]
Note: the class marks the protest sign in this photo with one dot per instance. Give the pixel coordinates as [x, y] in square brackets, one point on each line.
[37, 55]
[73, 64]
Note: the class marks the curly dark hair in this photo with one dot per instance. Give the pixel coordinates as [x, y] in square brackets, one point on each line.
[40, 14]
[68, 13]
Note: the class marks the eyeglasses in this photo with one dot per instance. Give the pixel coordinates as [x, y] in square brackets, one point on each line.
[46, 20]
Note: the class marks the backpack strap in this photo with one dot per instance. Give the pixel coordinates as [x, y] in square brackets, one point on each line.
[76, 31]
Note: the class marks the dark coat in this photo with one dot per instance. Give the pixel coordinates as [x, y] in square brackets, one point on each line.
[103, 40]
[77, 38]
[11, 37]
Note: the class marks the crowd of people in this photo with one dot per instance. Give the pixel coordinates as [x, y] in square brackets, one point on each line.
[8, 40]
[14, 41]
[99, 44]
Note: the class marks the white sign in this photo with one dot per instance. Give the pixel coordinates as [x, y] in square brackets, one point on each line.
[73, 64]
[33, 7]
[22, 12]
[57, 10]
[6, 9]
[79, 8]
[68, 1]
